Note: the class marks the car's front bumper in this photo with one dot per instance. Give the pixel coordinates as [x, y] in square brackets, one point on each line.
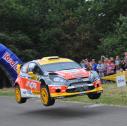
[65, 94]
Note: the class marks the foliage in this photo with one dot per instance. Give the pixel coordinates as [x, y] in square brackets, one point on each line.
[116, 43]
[68, 28]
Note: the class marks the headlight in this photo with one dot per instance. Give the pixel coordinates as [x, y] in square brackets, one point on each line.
[58, 79]
[94, 76]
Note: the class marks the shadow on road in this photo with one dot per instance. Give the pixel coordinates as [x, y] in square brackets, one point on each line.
[64, 112]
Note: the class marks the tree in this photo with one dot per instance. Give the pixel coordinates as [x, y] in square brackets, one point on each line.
[69, 28]
[116, 43]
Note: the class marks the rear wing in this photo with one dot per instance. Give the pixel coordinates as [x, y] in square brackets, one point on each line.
[9, 61]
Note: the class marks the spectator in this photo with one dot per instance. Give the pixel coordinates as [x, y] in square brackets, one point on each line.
[110, 67]
[84, 63]
[105, 66]
[89, 66]
[101, 68]
[122, 65]
[112, 59]
[125, 60]
[94, 65]
[117, 63]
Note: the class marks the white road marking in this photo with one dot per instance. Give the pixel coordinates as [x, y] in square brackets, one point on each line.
[93, 106]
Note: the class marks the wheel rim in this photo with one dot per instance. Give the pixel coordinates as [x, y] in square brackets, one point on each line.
[17, 94]
[44, 96]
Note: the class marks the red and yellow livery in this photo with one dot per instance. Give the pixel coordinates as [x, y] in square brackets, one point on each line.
[53, 77]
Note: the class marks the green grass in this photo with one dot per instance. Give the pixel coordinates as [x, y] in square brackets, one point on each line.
[7, 92]
[111, 95]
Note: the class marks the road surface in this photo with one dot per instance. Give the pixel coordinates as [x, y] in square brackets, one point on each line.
[33, 113]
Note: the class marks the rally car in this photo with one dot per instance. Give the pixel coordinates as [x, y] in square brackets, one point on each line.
[53, 77]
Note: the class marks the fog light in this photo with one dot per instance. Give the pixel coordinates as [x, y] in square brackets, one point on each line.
[58, 90]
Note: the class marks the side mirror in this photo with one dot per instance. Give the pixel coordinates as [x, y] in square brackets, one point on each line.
[31, 73]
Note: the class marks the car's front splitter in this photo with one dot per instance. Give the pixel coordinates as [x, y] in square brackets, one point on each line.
[65, 94]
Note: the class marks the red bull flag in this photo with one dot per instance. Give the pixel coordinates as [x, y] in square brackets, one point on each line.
[9, 61]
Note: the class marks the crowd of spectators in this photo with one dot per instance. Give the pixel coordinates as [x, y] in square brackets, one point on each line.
[106, 66]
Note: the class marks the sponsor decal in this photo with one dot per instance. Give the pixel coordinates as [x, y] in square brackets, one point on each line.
[29, 92]
[32, 85]
[24, 92]
[6, 56]
[121, 81]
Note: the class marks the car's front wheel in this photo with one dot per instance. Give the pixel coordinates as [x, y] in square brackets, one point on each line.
[45, 96]
[94, 95]
[18, 96]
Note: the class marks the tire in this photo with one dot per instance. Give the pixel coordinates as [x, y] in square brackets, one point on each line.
[18, 97]
[94, 96]
[45, 96]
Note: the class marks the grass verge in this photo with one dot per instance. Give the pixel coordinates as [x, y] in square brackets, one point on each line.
[111, 95]
[7, 92]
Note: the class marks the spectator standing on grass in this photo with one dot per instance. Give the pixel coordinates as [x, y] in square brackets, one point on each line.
[112, 59]
[87, 64]
[122, 65]
[101, 68]
[125, 60]
[110, 67]
[117, 63]
[94, 65]
[105, 66]
[84, 63]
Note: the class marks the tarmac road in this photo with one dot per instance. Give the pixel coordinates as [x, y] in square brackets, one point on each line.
[33, 113]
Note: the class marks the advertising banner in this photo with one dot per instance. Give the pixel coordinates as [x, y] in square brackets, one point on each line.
[9, 61]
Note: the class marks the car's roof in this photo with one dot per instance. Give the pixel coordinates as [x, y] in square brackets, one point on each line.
[52, 59]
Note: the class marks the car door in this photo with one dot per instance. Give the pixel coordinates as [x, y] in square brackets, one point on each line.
[24, 76]
[33, 83]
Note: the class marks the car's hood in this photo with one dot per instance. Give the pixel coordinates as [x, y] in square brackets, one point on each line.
[73, 73]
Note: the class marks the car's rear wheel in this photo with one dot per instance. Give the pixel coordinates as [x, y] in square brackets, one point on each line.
[45, 96]
[18, 96]
[94, 95]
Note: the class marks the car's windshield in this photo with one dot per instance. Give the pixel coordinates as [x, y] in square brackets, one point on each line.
[60, 66]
